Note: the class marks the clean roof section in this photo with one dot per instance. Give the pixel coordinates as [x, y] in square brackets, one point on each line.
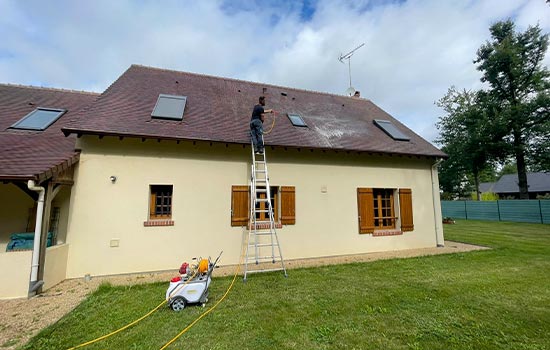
[39, 119]
[169, 107]
[390, 129]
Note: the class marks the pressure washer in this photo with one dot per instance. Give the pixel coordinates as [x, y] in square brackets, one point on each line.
[191, 286]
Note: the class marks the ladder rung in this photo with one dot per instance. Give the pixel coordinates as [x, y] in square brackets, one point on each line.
[267, 257]
[263, 245]
[265, 270]
[265, 200]
[262, 233]
[261, 190]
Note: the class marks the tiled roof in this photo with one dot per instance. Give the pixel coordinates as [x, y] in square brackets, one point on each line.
[26, 154]
[219, 109]
[538, 182]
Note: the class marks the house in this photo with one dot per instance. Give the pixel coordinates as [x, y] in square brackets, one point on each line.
[165, 162]
[507, 186]
[33, 149]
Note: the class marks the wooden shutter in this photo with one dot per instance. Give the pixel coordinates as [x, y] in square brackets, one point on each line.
[365, 207]
[288, 205]
[405, 207]
[239, 205]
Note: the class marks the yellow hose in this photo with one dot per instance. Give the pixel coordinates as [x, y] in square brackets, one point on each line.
[272, 124]
[132, 323]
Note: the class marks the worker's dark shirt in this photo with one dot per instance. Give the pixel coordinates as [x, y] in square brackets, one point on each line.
[257, 112]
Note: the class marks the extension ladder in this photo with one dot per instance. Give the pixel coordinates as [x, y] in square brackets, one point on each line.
[263, 243]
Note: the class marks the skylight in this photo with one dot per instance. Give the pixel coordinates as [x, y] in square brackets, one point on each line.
[39, 119]
[391, 130]
[169, 107]
[296, 120]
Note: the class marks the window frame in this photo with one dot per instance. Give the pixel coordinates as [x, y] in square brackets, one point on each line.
[399, 199]
[294, 123]
[156, 112]
[284, 205]
[30, 115]
[153, 197]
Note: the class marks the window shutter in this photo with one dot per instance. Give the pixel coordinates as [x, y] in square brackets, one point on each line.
[405, 207]
[288, 205]
[365, 205]
[239, 205]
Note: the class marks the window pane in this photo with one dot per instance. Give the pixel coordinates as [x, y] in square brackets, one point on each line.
[39, 119]
[391, 130]
[296, 120]
[170, 107]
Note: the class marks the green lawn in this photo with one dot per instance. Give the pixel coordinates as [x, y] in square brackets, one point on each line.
[494, 299]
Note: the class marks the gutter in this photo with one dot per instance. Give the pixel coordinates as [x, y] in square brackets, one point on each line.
[438, 219]
[34, 284]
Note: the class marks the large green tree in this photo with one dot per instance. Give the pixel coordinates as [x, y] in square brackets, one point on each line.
[519, 87]
[467, 136]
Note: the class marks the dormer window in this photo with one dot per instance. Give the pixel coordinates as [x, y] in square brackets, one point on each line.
[169, 107]
[39, 119]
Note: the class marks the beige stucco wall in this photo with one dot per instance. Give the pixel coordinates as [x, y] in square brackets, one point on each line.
[14, 212]
[15, 274]
[202, 176]
[55, 268]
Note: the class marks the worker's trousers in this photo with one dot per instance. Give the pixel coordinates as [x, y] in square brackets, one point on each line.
[256, 131]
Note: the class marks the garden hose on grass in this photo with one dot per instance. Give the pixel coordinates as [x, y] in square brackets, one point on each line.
[237, 270]
[134, 322]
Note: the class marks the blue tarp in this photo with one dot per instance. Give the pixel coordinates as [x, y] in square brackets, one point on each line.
[24, 241]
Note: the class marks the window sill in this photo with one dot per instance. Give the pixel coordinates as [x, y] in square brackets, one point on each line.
[381, 233]
[265, 226]
[163, 222]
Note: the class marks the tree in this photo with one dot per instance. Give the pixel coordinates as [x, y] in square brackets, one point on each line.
[466, 134]
[519, 88]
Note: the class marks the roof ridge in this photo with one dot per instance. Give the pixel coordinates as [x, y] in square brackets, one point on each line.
[248, 82]
[51, 89]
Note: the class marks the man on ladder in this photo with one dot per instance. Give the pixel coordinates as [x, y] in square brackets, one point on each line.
[256, 125]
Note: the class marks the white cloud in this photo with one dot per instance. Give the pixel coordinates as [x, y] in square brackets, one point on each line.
[414, 49]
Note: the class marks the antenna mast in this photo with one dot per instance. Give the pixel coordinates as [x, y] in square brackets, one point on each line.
[347, 56]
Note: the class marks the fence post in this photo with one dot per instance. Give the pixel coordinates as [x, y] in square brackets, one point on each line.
[465, 210]
[498, 209]
[540, 212]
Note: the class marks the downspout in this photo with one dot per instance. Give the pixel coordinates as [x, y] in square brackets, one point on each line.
[439, 239]
[34, 284]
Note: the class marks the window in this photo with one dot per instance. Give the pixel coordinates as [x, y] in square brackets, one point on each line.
[296, 120]
[39, 119]
[261, 206]
[391, 130]
[282, 201]
[161, 202]
[376, 209]
[384, 216]
[169, 107]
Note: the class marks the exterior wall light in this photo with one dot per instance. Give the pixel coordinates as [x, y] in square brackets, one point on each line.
[113, 178]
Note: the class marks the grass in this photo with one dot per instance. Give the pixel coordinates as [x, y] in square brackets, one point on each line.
[493, 299]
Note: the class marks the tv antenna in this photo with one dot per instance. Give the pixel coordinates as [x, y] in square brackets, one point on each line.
[351, 90]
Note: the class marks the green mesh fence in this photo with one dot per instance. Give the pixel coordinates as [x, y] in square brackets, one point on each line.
[536, 211]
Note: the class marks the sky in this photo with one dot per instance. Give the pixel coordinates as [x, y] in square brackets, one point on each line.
[414, 50]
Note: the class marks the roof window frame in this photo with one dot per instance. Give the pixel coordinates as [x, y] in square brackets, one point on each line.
[156, 113]
[398, 135]
[297, 115]
[59, 111]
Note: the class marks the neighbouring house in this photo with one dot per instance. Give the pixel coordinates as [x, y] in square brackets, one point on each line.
[507, 186]
[35, 156]
[162, 164]
[165, 163]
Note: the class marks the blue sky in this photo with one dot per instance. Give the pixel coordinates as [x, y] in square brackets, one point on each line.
[414, 50]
